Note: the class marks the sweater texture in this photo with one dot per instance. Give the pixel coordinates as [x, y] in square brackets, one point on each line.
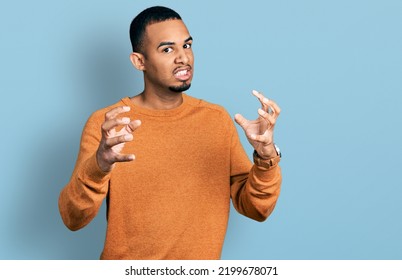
[173, 200]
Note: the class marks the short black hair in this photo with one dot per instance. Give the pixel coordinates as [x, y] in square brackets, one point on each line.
[146, 17]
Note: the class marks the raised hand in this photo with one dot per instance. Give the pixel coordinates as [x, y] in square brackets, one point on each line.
[112, 141]
[260, 132]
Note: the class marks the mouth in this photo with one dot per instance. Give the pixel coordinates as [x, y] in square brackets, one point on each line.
[183, 74]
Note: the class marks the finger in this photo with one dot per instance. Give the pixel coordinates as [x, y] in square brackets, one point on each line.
[112, 123]
[275, 108]
[132, 126]
[124, 157]
[257, 94]
[116, 111]
[267, 117]
[263, 100]
[242, 121]
[268, 105]
[111, 142]
[111, 160]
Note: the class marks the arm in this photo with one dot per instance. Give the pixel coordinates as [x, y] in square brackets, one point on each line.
[100, 149]
[255, 193]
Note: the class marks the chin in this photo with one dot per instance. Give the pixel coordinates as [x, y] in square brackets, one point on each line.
[180, 88]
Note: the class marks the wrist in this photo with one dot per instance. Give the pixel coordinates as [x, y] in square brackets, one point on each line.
[268, 152]
[267, 163]
[102, 165]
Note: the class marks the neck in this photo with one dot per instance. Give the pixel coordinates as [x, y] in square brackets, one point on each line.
[157, 101]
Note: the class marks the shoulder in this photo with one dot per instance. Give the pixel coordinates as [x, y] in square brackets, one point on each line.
[98, 117]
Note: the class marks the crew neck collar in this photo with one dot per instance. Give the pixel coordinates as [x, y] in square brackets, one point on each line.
[155, 112]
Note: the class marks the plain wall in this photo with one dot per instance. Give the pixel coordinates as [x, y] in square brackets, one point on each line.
[334, 67]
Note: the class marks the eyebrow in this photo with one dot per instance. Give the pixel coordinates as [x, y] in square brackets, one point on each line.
[173, 43]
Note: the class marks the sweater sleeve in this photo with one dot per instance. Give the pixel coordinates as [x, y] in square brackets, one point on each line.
[81, 198]
[254, 189]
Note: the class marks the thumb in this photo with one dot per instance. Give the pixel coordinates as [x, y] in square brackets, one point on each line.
[241, 120]
[132, 126]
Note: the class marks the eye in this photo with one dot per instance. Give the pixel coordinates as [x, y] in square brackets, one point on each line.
[167, 50]
[187, 46]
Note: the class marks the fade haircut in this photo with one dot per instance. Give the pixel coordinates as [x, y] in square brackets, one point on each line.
[142, 20]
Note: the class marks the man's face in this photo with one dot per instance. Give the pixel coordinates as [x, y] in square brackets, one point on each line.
[168, 57]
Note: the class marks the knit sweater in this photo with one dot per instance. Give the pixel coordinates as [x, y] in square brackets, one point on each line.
[173, 200]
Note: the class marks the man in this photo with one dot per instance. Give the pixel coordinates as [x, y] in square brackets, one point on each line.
[168, 163]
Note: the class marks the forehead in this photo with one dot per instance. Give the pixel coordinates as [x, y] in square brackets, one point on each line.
[169, 30]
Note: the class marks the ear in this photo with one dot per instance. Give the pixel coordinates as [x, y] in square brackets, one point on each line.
[137, 60]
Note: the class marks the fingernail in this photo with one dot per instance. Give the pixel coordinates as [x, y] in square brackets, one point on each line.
[126, 108]
[128, 137]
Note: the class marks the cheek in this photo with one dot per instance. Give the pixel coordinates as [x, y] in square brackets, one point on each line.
[158, 69]
[161, 73]
[190, 56]
[161, 68]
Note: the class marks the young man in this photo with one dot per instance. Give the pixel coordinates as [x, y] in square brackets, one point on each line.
[167, 163]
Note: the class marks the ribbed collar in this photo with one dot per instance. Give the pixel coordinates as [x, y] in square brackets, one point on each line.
[172, 113]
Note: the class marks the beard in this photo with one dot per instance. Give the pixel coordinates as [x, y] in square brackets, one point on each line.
[181, 88]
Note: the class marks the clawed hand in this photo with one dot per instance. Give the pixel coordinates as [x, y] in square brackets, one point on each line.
[260, 132]
[113, 141]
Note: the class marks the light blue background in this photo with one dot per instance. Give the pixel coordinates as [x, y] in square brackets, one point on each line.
[334, 67]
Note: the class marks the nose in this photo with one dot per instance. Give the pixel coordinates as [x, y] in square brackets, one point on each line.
[182, 57]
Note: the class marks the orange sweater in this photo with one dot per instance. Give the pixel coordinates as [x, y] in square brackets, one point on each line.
[173, 200]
